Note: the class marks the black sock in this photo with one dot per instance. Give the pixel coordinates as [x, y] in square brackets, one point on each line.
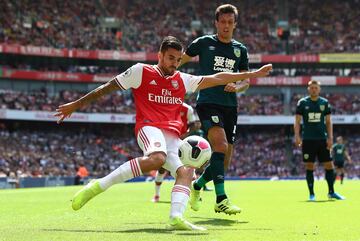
[310, 181]
[203, 179]
[196, 187]
[342, 177]
[330, 177]
[220, 198]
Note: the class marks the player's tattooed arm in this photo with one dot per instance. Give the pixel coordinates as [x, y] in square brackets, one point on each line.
[65, 111]
[98, 92]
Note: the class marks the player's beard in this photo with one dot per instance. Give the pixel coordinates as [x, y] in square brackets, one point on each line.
[170, 70]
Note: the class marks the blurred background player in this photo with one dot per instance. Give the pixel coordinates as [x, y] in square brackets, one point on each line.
[317, 137]
[339, 154]
[217, 106]
[159, 92]
[190, 127]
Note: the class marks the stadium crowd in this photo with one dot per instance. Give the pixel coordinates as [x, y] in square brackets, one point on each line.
[117, 102]
[258, 152]
[19, 64]
[315, 27]
[122, 102]
[60, 152]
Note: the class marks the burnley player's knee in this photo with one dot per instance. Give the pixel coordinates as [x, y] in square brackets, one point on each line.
[309, 166]
[329, 165]
[157, 159]
[220, 146]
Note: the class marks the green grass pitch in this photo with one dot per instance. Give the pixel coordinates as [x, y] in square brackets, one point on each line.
[272, 210]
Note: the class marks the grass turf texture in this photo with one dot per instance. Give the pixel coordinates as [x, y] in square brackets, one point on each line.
[271, 211]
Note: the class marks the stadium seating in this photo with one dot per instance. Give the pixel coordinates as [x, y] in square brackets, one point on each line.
[69, 24]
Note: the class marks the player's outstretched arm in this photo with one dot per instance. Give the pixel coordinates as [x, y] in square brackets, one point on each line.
[65, 111]
[225, 77]
[184, 59]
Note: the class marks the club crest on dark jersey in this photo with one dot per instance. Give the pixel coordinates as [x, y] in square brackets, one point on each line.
[237, 52]
[322, 107]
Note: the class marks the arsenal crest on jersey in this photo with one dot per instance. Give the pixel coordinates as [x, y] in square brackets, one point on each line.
[175, 83]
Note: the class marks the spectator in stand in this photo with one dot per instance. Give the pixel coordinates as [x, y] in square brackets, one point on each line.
[81, 173]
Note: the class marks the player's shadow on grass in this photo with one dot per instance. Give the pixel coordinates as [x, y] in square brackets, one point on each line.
[317, 201]
[140, 230]
[217, 221]
[164, 202]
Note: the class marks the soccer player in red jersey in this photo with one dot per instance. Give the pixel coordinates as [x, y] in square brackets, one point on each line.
[188, 119]
[159, 92]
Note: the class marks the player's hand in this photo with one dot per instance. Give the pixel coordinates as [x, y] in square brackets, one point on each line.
[65, 111]
[263, 71]
[230, 87]
[329, 143]
[298, 141]
[240, 86]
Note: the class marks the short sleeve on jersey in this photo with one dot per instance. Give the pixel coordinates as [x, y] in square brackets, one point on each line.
[244, 62]
[191, 82]
[299, 109]
[327, 109]
[131, 78]
[194, 48]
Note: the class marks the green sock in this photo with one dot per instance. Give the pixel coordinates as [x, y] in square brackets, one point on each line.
[203, 179]
[218, 172]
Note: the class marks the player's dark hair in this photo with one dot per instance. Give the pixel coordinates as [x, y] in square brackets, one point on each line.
[224, 9]
[314, 82]
[171, 42]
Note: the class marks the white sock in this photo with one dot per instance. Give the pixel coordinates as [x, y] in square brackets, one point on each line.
[179, 199]
[159, 177]
[158, 181]
[157, 189]
[125, 172]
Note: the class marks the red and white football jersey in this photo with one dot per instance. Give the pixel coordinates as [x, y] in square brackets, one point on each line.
[187, 116]
[158, 98]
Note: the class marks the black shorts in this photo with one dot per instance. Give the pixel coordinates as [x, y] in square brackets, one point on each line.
[313, 149]
[217, 115]
[339, 164]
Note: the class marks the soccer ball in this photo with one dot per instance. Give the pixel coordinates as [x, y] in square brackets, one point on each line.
[194, 151]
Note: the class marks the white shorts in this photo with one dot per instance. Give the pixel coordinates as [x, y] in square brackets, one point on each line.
[152, 139]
